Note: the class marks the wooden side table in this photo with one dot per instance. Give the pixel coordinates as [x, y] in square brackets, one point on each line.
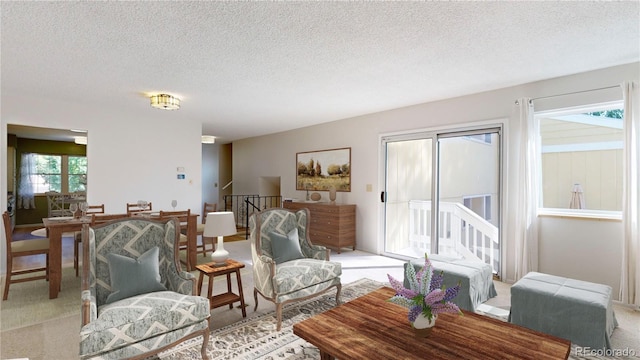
[229, 297]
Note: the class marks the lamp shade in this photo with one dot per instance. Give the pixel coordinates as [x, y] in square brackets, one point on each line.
[221, 223]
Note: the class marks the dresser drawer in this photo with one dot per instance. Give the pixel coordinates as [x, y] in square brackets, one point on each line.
[331, 225]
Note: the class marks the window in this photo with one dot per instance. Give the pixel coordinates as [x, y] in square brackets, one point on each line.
[48, 175]
[483, 138]
[581, 160]
[61, 173]
[479, 204]
[77, 171]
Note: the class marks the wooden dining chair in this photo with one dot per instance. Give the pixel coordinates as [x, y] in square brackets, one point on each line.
[77, 237]
[95, 209]
[183, 218]
[56, 204]
[97, 219]
[132, 208]
[22, 248]
[207, 208]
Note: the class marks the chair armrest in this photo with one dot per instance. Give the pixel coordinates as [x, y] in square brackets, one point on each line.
[183, 282]
[89, 307]
[264, 270]
[318, 252]
[266, 265]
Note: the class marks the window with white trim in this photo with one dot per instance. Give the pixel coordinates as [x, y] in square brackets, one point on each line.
[479, 204]
[581, 158]
[61, 173]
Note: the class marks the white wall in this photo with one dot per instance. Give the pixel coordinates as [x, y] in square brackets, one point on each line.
[275, 155]
[129, 158]
[584, 249]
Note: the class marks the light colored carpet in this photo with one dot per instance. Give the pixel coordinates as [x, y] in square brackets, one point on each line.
[54, 339]
[29, 302]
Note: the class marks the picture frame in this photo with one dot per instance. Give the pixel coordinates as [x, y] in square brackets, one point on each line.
[321, 170]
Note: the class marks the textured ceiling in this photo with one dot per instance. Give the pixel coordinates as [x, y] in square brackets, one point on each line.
[250, 68]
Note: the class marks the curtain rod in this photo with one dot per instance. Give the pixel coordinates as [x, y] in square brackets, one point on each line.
[575, 92]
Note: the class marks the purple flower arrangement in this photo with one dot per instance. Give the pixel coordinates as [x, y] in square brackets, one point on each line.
[425, 294]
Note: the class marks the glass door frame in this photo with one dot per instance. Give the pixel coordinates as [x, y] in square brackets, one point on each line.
[435, 135]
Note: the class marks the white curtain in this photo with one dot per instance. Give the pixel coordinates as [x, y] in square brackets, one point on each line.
[525, 189]
[25, 188]
[630, 278]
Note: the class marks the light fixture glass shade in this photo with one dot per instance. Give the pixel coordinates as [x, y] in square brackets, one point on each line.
[165, 101]
[208, 139]
[220, 224]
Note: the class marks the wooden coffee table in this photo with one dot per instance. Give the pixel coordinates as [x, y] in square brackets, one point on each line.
[229, 297]
[372, 327]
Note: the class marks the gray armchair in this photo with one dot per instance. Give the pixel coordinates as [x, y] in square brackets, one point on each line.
[136, 300]
[286, 266]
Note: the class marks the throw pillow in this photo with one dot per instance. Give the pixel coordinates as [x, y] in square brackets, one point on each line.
[285, 247]
[131, 277]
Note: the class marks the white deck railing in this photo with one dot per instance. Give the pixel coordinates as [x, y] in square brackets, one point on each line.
[461, 232]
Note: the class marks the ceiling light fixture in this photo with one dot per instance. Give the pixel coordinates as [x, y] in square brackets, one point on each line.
[80, 140]
[165, 101]
[208, 139]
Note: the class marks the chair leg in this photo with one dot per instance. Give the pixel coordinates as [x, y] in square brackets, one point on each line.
[255, 299]
[205, 341]
[76, 252]
[7, 280]
[339, 288]
[204, 246]
[279, 316]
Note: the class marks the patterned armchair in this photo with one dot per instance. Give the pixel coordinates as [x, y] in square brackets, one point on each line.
[284, 278]
[123, 316]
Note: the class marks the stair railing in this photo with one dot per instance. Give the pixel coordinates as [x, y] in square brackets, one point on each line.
[243, 206]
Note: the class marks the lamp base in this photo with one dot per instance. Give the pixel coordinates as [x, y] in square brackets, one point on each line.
[220, 256]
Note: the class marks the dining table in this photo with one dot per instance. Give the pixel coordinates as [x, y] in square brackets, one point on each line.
[56, 226]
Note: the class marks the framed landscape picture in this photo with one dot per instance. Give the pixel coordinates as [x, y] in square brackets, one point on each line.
[321, 170]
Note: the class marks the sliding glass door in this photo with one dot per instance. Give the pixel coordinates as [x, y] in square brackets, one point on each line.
[408, 187]
[461, 171]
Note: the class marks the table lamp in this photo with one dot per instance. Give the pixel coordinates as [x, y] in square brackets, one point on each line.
[220, 224]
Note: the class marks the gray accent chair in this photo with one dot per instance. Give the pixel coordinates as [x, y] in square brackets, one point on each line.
[144, 324]
[293, 280]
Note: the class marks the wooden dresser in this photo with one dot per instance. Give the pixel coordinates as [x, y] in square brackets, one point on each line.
[332, 225]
